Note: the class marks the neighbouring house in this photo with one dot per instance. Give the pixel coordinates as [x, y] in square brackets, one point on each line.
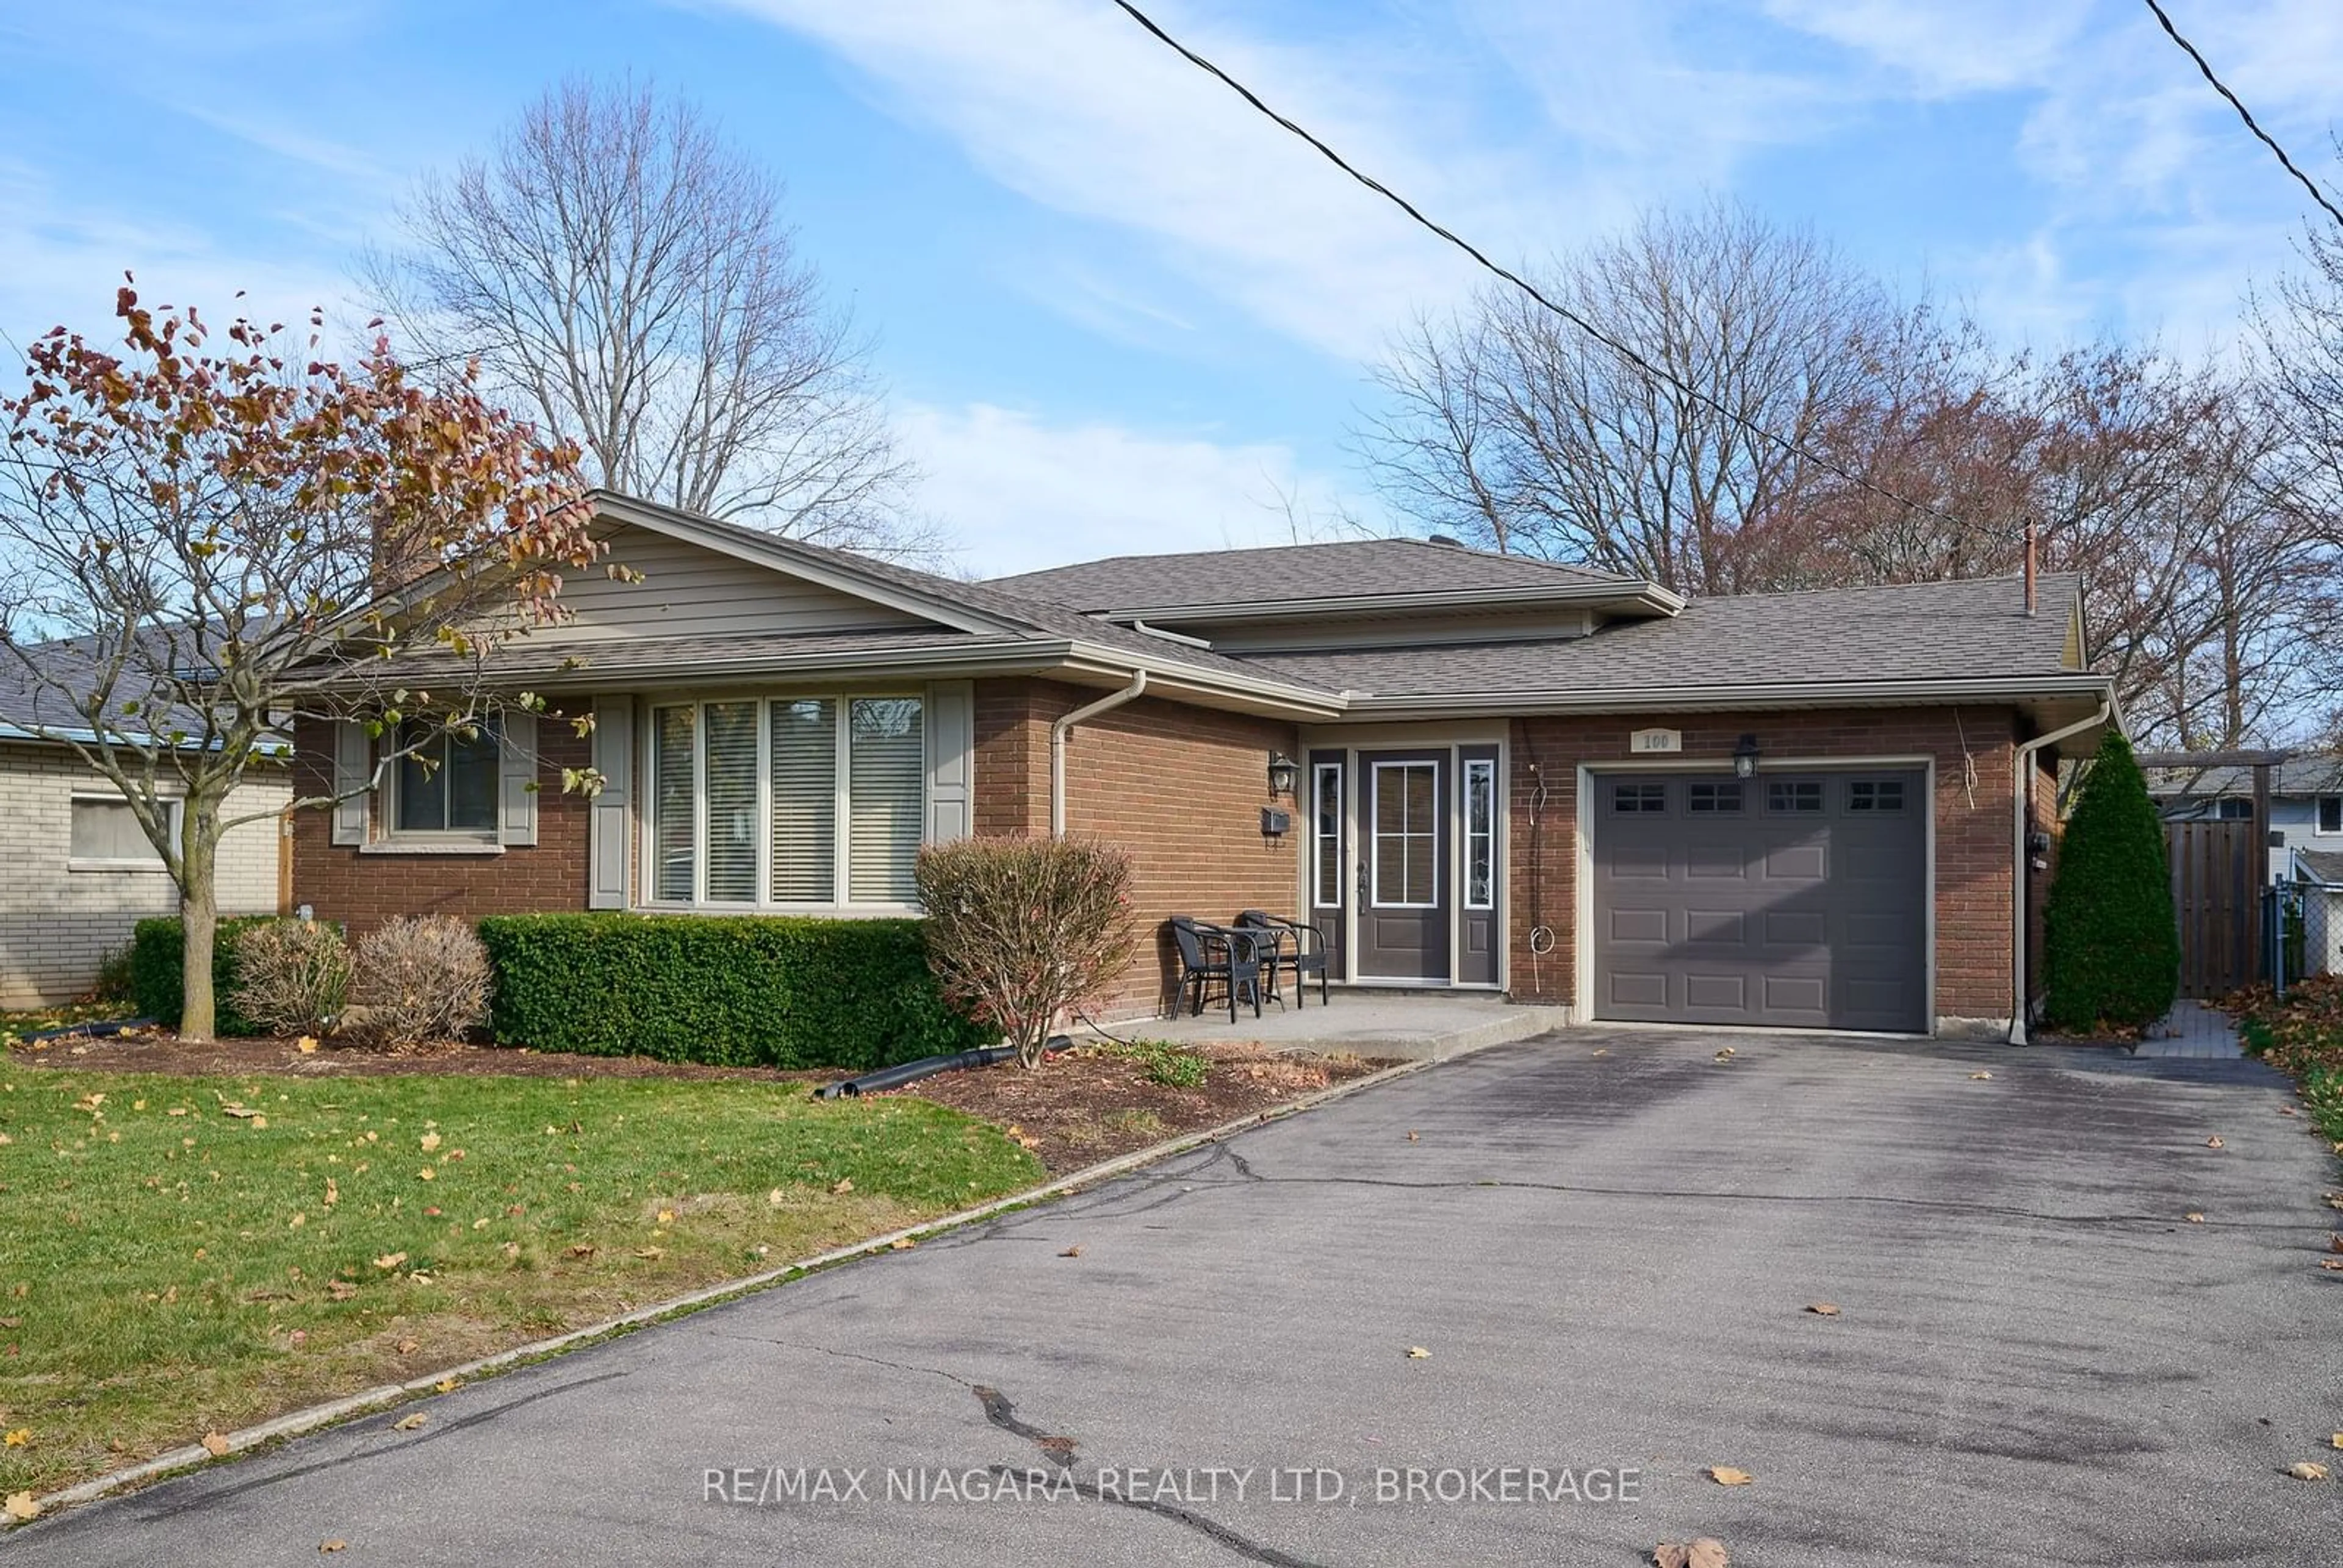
[80, 873]
[1474, 771]
[2306, 804]
[2306, 842]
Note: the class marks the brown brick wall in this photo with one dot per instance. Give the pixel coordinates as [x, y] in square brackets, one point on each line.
[1974, 886]
[342, 884]
[1183, 788]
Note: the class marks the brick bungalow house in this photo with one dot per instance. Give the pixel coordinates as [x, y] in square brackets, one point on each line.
[1474, 771]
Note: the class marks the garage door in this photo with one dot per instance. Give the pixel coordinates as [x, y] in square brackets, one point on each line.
[1794, 900]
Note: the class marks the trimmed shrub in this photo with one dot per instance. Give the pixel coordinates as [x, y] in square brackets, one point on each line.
[2112, 946]
[292, 977]
[731, 991]
[158, 947]
[420, 980]
[1023, 930]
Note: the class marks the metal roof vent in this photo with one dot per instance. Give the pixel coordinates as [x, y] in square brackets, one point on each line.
[1443, 540]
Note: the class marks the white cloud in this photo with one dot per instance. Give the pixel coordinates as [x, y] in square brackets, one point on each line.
[1017, 493]
[1072, 106]
[62, 257]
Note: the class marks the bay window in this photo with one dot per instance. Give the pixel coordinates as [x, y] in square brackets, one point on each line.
[788, 801]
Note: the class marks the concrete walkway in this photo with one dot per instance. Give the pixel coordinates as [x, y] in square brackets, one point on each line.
[1411, 1028]
[2193, 1031]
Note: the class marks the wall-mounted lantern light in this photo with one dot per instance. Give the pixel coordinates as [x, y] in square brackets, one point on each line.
[1282, 772]
[1745, 757]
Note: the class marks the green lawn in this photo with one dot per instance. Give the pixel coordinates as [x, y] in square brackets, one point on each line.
[2302, 1035]
[169, 1269]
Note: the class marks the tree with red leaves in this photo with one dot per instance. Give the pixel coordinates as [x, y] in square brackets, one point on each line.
[201, 544]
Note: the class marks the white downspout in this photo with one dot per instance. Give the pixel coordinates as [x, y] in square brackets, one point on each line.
[2022, 796]
[1061, 727]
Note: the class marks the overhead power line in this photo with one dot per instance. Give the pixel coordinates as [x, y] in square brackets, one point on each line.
[1659, 373]
[2245, 114]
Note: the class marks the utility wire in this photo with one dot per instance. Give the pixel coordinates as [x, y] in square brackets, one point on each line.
[1655, 372]
[2245, 114]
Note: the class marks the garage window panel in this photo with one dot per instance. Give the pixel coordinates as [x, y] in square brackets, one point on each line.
[1713, 798]
[1875, 795]
[1794, 797]
[1639, 799]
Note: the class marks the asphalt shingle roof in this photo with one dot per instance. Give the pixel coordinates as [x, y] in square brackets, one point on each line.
[1341, 569]
[2325, 865]
[2314, 773]
[1924, 631]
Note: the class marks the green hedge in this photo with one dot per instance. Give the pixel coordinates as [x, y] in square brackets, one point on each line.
[733, 990]
[2112, 946]
[157, 954]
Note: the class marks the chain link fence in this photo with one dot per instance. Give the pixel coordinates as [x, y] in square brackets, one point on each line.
[2305, 921]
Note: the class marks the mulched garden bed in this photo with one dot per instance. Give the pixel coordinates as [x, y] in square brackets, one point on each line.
[1082, 1106]
[1095, 1103]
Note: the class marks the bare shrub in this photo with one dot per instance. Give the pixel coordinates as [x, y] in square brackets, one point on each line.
[292, 977]
[420, 980]
[1019, 930]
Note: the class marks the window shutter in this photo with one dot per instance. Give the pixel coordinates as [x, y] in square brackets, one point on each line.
[353, 765]
[609, 848]
[517, 773]
[951, 761]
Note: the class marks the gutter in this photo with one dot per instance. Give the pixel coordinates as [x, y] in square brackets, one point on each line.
[2021, 795]
[1897, 693]
[1062, 726]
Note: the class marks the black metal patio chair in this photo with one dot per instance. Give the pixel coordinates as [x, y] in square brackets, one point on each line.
[1294, 945]
[1209, 952]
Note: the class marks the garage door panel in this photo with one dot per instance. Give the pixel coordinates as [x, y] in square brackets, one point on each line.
[1639, 927]
[1797, 863]
[1808, 912]
[1727, 992]
[1715, 928]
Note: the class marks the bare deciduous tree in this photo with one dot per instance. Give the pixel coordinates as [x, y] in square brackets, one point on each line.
[1812, 430]
[628, 277]
[1511, 425]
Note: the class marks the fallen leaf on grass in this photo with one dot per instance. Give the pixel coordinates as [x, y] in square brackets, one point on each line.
[1726, 1476]
[1072, 1252]
[20, 1506]
[666, 1216]
[582, 1249]
[20, 1438]
[307, 1046]
[214, 1445]
[2215, 1143]
[429, 1141]
[390, 1260]
[2308, 1469]
[1823, 1309]
[843, 1184]
[241, 1112]
[407, 1347]
[653, 1253]
[409, 1422]
[1705, 1553]
[1417, 1353]
[340, 1290]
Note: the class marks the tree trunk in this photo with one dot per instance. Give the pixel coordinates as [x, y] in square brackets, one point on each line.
[198, 921]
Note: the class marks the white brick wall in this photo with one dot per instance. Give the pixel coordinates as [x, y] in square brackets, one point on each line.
[56, 923]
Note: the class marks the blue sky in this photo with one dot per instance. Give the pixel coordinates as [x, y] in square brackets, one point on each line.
[1117, 311]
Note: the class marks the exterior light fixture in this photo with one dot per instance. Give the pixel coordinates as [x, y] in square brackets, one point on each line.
[1283, 771]
[1745, 757]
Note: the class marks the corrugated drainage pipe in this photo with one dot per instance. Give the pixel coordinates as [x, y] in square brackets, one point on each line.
[905, 1072]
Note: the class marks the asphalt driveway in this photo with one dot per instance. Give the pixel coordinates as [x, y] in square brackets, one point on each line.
[1605, 1242]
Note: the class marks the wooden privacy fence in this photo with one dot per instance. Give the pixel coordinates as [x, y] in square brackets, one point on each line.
[2215, 895]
